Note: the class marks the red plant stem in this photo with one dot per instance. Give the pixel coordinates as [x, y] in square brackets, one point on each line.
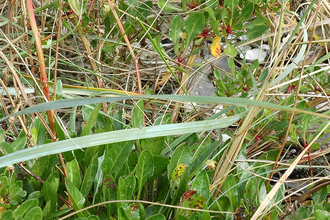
[42, 66]
[309, 158]
[90, 8]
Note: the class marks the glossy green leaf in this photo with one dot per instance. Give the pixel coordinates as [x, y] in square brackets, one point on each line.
[201, 155]
[76, 197]
[251, 190]
[256, 31]
[232, 4]
[3, 186]
[320, 195]
[122, 194]
[154, 145]
[89, 176]
[321, 215]
[215, 27]
[47, 211]
[193, 26]
[116, 157]
[74, 172]
[49, 190]
[91, 120]
[221, 204]
[175, 32]
[201, 184]
[16, 192]
[25, 207]
[19, 144]
[182, 154]
[160, 164]
[144, 169]
[122, 215]
[246, 12]
[130, 182]
[35, 213]
[5, 146]
[137, 115]
[230, 189]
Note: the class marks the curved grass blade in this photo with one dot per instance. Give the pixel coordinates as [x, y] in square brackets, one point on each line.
[116, 136]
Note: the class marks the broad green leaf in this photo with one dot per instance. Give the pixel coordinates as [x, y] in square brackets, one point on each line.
[155, 145]
[231, 65]
[201, 184]
[76, 197]
[321, 215]
[7, 215]
[230, 189]
[122, 194]
[201, 155]
[25, 207]
[232, 4]
[193, 26]
[19, 143]
[231, 51]
[116, 156]
[215, 27]
[137, 115]
[221, 204]
[47, 211]
[35, 213]
[89, 176]
[246, 12]
[34, 133]
[169, 7]
[49, 190]
[211, 13]
[144, 169]
[320, 195]
[5, 146]
[256, 31]
[306, 123]
[130, 185]
[3, 186]
[175, 32]
[181, 155]
[122, 215]
[91, 120]
[16, 192]
[160, 164]
[251, 190]
[109, 192]
[74, 172]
